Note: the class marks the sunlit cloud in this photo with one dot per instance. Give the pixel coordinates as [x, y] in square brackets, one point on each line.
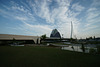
[40, 17]
[77, 7]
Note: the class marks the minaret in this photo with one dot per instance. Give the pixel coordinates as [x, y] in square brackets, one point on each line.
[71, 29]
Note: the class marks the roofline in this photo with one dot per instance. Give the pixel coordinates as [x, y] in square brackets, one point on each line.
[20, 35]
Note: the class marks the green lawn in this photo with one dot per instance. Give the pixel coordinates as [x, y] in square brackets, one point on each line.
[45, 57]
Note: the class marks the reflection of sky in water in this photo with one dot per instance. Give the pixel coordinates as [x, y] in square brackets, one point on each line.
[77, 48]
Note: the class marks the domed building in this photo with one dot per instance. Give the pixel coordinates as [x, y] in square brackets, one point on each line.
[55, 33]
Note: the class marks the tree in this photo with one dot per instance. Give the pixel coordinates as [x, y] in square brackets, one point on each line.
[90, 37]
[43, 36]
[14, 40]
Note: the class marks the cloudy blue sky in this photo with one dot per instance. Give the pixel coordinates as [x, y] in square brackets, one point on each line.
[38, 17]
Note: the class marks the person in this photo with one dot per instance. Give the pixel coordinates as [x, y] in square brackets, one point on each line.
[72, 48]
[83, 48]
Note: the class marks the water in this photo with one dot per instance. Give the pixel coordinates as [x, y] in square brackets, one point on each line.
[77, 47]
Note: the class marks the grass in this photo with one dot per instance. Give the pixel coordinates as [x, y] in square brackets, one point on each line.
[45, 57]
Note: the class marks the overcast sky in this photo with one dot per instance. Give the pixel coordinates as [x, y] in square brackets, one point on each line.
[38, 17]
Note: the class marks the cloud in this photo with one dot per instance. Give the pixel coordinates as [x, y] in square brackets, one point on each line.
[90, 27]
[58, 17]
[21, 18]
[77, 7]
[41, 9]
[91, 9]
[37, 29]
[39, 17]
[92, 16]
[96, 3]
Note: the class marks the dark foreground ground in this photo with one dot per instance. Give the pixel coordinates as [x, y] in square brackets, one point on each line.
[45, 57]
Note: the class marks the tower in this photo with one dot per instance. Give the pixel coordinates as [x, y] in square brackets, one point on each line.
[71, 30]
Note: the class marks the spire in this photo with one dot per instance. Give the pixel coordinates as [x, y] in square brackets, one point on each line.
[71, 29]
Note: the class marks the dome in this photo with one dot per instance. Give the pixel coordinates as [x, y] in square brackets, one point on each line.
[55, 33]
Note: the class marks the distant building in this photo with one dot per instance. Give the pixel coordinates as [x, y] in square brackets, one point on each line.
[55, 34]
[28, 39]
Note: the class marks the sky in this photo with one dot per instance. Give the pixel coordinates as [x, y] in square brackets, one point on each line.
[38, 17]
